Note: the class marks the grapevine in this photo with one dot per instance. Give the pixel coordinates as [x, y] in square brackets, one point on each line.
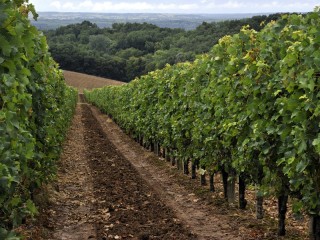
[249, 108]
[35, 109]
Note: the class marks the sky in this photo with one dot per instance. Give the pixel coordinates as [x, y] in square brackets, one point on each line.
[177, 6]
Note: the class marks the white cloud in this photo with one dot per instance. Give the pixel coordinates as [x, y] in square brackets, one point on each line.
[64, 6]
[188, 6]
[56, 4]
[257, 6]
[109, 6]
[86, 4]
[162, 6]
[69, 5]
[232, 4]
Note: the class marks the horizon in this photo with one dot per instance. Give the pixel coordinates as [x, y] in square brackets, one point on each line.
[170, 13]
[187, 21]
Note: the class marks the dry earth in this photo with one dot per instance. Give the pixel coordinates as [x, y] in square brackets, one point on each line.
[100, 195]
[83, 81]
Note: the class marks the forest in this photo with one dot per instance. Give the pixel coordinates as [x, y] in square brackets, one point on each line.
[128, 50]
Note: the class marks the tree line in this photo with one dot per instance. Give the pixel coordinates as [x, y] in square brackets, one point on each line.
[128, 50]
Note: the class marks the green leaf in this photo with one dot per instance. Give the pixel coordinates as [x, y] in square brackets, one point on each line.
[297, 206]
[291, 160]
[310, 73]
[5, 46]
[276, 93]
[19, 29]
[16, 201]
[301, 166]
[302, 146]
[316, 142]
[31, 207]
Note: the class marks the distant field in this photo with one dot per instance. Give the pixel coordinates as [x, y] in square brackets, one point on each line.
[83, 81]
[53, 20]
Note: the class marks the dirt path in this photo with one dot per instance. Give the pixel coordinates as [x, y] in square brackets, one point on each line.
[73, 201]
[100, 195]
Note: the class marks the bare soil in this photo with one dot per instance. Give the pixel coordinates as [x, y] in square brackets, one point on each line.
[83, 81]
[100, 195]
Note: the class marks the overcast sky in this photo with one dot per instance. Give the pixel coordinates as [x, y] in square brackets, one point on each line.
[177, 6]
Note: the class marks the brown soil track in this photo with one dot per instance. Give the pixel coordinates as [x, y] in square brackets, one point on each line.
[100, 195]
[136, 210]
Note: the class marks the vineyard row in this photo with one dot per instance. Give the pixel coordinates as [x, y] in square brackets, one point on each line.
[36, 107]
[249, 109]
